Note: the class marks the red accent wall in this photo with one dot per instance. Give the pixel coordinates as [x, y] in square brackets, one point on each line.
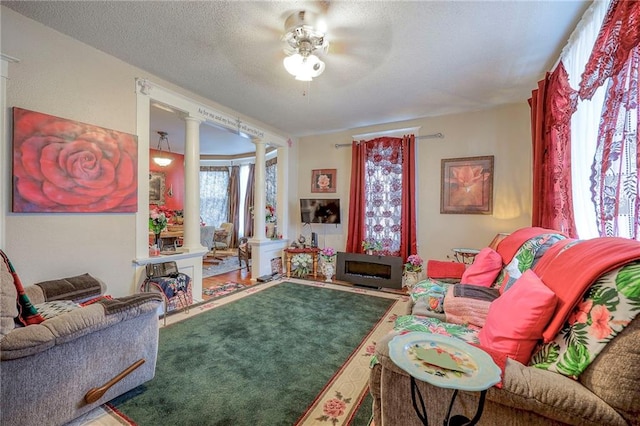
[174, 178]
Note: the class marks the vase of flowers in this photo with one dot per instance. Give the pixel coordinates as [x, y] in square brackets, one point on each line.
[412, 271]
[157, 224]
[269, 219]
[328, 259]
[370, 246]
[301, 264]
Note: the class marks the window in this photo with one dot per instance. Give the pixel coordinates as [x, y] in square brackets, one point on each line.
[214, 195]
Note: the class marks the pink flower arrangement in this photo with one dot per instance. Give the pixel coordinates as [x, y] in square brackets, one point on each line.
[327, 254]
[414, 263]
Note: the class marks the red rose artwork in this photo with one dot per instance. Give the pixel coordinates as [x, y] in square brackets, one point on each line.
[64, 166]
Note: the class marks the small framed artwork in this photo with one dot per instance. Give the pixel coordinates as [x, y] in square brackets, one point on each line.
[323, 180]
[467, 185]
[156, 188]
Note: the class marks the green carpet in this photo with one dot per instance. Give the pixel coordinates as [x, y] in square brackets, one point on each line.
[260, 360]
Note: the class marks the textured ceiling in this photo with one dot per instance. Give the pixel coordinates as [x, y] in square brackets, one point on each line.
[387, 61]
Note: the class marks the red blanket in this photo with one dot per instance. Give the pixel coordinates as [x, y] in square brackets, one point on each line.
[510, 245]
[570, 272]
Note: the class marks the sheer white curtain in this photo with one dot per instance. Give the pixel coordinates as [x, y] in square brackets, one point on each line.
[214, 195]
[586, 119]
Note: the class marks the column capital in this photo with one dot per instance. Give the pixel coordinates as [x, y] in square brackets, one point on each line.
[192, 118]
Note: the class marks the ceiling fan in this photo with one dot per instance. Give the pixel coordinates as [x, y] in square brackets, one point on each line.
[305, 34]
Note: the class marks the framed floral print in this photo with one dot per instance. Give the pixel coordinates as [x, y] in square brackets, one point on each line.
[323, 180]
[467, 185]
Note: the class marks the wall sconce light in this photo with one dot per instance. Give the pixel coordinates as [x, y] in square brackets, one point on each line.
[163, 160]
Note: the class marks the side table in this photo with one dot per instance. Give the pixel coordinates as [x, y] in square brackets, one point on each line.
[445, 362]
[465, 255]
[290, 252]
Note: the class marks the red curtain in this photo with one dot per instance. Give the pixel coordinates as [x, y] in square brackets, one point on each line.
[382, 201]
[356, 231]
[619, 35]
[408, 243]
[614, 179]
[552, 106]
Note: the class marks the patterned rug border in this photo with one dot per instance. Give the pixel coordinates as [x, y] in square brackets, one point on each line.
[340, 398]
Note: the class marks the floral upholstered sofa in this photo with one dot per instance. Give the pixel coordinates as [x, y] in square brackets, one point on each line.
[562, 325]
[60, 359]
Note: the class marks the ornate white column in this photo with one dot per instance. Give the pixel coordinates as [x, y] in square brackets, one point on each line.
[283, 182]
[192, 184]
[259, 202]
[263, 249]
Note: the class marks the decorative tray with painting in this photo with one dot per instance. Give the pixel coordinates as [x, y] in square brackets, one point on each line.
[444, 361]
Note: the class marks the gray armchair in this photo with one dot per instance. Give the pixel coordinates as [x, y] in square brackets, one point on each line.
[206, 240]
[72, 362]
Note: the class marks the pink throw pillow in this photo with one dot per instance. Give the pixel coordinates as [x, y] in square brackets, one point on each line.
[517, 319]
[484, 270]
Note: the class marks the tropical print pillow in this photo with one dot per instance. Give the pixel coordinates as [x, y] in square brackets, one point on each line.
[611, 303]
[525, 258]
[407, 323]
[434, 292]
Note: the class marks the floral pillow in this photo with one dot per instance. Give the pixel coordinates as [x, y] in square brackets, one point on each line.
[611, 303]
[407, 323]
[526, 257]
[432, 291]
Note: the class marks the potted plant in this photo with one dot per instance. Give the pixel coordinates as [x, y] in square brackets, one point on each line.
[269, 219]
[412, 270]
[328, 257]
[370, 246]
[157, 223]
[302, 264]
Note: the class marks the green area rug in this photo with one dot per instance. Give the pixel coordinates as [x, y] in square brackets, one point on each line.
[261, 360]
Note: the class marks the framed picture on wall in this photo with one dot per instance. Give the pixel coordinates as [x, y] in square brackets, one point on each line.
[467, 185]
[156, 188]
[66, 166]
[323, 180]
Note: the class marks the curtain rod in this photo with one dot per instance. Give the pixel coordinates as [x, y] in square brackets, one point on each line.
[432, 136]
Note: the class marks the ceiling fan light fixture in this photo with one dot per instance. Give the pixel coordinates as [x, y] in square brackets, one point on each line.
[303, 68]
[163, 160]
[304, 39]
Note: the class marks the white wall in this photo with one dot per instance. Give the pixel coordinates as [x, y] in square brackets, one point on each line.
[502, 132]
[60, 76]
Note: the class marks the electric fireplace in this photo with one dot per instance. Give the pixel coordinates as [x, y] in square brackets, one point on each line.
[370, 270]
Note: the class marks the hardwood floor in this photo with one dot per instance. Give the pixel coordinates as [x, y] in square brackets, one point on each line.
[241, 276]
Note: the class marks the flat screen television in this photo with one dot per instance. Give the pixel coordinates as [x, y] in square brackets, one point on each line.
[316, 210]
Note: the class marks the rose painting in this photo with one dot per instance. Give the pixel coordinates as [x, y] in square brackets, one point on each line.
[66, 166]
[323, 180]
[467, 185]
